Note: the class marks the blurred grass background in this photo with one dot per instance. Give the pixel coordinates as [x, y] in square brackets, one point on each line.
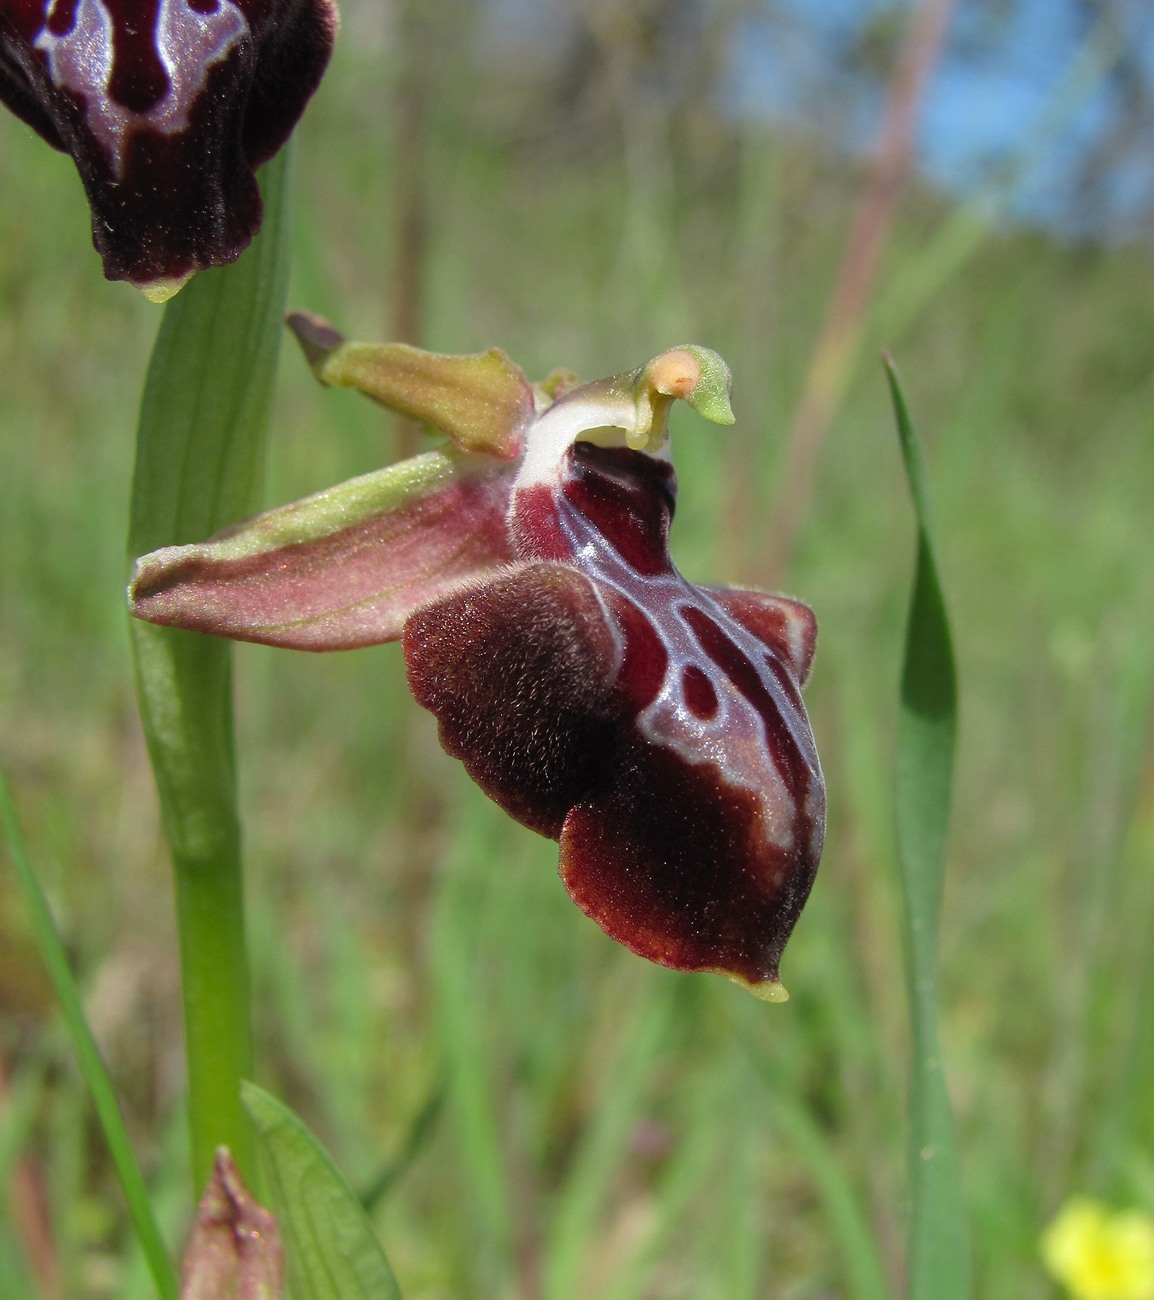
[533, 1111]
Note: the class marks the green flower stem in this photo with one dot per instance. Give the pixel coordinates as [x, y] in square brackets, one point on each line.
[200, 460]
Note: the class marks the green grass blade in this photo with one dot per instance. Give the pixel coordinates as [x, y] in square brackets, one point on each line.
[939, 1266]
[91, 1065]
[865, 1276]
[420, 1131]
[847, 1217]
[676, 1203]
[465, 1040]
[573, 1237]
[330, 1247]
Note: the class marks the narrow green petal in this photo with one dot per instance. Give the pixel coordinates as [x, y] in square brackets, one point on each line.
[483, 401]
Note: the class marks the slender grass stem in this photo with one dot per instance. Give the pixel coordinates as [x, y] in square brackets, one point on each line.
[88, 1053]
[200, 459]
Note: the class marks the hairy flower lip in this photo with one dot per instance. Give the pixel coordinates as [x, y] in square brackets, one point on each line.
[167, 108]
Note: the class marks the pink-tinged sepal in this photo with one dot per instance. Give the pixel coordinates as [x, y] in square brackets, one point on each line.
[167, 108]
[340, 569]
[346, 567]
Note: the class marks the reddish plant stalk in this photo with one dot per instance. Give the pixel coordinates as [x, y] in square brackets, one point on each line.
[833, 356]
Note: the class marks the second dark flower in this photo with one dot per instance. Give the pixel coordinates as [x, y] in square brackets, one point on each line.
[167, 108]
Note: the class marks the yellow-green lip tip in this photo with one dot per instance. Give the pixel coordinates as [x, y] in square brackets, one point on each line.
[161, 290]
[770, 991]
[765, 990]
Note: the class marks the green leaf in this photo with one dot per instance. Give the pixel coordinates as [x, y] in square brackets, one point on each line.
[91, 1065]
[331, 1250]
[939, 1261]
[204, 411]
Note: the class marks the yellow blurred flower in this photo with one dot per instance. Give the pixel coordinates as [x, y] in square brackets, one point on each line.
[1101, 1254]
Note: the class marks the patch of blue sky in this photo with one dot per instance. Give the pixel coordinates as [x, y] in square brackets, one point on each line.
[1004, 110]
[1003, 105]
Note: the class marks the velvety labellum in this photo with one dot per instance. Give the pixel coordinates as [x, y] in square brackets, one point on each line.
[519, 669]
[696, 807]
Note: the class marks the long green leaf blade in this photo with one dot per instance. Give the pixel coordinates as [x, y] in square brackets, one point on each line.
[330, 1247]
[939, 1264]
[88, 1053]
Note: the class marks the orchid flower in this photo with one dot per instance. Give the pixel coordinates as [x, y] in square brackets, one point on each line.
[167, 108]
[653, 727]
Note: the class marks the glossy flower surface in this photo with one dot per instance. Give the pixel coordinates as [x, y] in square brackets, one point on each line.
[167, 108]
[653, 727]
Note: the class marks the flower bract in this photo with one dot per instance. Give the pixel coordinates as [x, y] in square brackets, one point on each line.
[167, 107]
[235, 1251]
[653, 727]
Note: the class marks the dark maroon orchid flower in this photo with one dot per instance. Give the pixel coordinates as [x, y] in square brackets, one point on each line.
[653, 727]
[167, 107]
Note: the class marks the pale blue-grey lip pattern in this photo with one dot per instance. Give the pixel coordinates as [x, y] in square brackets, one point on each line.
[188, 44]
